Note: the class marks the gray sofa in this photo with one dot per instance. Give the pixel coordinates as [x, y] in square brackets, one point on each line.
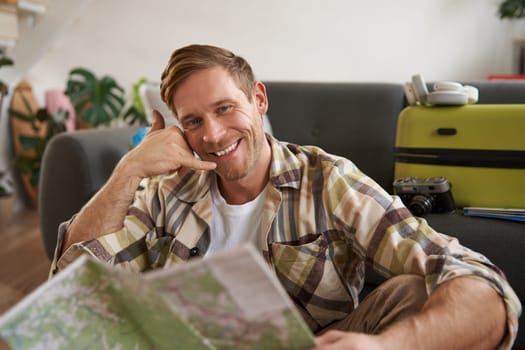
[355, 120]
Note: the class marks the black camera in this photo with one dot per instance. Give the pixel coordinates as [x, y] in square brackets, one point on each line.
[423, 196]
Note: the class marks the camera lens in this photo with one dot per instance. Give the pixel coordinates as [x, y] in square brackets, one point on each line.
[421, 205]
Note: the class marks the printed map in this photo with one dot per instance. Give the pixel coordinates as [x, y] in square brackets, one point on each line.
[228, 301]
[234, 303]
[90, 308]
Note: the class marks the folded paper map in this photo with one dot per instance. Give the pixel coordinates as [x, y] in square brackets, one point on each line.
[228, 301]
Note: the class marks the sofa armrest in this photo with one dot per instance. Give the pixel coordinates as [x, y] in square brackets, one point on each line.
[74, 167]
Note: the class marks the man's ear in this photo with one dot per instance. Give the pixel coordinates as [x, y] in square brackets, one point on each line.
[261, 99]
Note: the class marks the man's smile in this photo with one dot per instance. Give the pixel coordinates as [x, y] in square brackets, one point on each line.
[227, 150]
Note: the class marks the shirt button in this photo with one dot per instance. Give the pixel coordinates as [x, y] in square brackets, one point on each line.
[194, 251]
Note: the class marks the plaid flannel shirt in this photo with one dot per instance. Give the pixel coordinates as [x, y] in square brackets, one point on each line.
[323, 221]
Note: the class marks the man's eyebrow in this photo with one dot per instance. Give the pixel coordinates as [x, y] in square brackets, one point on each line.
[213, 105]
[221, 101]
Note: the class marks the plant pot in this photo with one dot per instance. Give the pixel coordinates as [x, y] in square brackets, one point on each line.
[7, 204]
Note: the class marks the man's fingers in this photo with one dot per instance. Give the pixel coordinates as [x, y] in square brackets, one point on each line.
[158, 121]
[174, 137]
[329, 337]
[197, 164]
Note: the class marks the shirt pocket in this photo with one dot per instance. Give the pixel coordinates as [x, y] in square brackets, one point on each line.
[310, 276]
[158, 247]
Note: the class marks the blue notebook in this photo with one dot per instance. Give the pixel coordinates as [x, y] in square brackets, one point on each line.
[496, 213]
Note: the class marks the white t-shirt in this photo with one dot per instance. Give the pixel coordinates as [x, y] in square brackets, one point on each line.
[234, 224]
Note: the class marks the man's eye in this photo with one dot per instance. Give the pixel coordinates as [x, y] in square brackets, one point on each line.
[224, 109]
[192, 123]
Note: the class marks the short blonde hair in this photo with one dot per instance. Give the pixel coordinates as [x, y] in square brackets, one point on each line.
[190, 59]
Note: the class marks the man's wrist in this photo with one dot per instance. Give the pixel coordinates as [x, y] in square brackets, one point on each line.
[125, 174]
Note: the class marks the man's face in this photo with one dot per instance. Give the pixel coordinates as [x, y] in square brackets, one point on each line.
[222, 124]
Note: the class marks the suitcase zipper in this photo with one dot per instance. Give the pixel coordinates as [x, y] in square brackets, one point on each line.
[462, 157]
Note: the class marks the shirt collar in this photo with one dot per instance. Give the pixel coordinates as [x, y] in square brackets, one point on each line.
[285, 170]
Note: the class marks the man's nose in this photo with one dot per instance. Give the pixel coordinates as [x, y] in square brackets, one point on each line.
[213, 130]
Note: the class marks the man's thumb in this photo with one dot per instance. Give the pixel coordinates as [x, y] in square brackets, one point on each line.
[158, 121]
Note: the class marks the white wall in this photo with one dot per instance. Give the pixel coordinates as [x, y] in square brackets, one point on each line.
[332, 40]
[315, 40]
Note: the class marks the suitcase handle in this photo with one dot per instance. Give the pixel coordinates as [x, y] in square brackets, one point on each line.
[447, 131]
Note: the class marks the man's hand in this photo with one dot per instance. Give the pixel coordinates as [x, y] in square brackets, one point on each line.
[339, 340]
[162, 150]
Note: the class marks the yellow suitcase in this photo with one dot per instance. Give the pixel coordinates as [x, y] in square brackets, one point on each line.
[480, 149]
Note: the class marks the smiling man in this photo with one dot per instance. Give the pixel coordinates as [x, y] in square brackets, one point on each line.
[219, 181]
[223, 126]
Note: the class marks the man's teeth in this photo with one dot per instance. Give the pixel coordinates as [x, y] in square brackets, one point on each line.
[226, 151]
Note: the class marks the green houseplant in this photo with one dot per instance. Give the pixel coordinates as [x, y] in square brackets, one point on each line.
[96, 101]
[53, 124]
[512, 9]
[135, 114]
[515, 9]
[43, 127]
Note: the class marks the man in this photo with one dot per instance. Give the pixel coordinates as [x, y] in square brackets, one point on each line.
[219, 180]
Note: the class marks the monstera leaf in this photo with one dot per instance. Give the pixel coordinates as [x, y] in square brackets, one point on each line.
[96, 101]
[135, 113]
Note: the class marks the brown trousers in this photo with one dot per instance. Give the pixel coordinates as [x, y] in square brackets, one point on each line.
[392, 301]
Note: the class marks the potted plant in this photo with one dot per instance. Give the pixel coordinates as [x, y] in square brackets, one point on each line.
[96, 101]
[43, 126]
[512, 9]
[55, 123]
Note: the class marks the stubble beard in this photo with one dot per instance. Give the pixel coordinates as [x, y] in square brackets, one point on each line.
[254, 153]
